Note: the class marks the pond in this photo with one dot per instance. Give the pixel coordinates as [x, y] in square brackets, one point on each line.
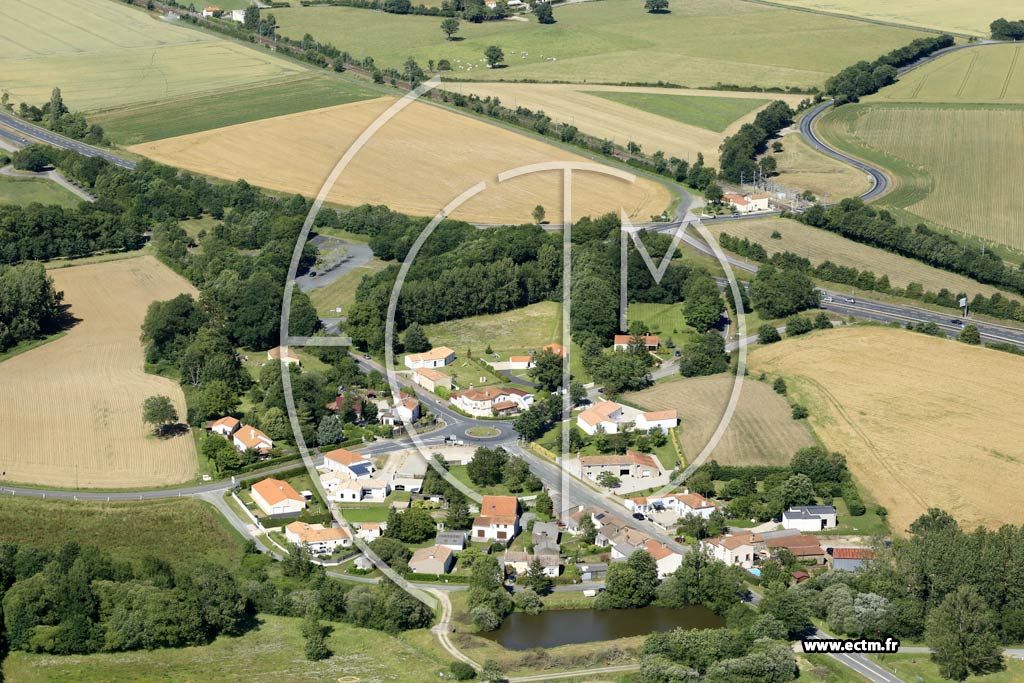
[521, 631]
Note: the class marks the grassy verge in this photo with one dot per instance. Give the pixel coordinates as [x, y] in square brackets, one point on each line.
[920, 668]
[29, 345]
[711, 113]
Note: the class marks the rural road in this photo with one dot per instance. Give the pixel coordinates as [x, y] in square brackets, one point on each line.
[51, 138]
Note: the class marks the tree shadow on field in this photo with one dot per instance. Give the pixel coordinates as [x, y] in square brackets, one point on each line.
[171, 431]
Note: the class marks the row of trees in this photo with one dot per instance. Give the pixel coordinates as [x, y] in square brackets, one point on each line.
[739, 151]
[853, 219]
[864, 78]
[57, 117]
[30, 308]
[1002, 29]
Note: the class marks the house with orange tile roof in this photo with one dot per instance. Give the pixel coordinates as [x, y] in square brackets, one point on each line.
[556, 349]
[733, 549]
[277, 498]
[349, 463]
[622, 342]
[602, 416]
[804, 547]
[748, 203]
[667, 559]
[657, 419]
[498, 519]
[434, 358]
[407, 410]
[520, 362]
[225, 426]
[491, 401]
[630, 464]
[248, 438]
[437, 559]
[318, 539]
[211, 11]
[431, 379]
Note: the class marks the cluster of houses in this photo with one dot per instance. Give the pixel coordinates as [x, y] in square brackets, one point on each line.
[610, 417]
[243, 437]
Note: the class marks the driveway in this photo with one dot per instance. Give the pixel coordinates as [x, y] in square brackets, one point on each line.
[355, 255]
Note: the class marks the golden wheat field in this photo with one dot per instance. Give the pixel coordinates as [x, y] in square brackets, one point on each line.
[72, 409]
[761, 431]
[970, 17]
[577, 105]
[417, 163]
[924, 422]
[803, 168]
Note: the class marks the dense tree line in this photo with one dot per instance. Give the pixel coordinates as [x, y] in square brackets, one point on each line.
[79, 600]
[1002, 29]
[57, 117]
[30, 308]
[864, 78]
[738, 151]
[855, 220]
[780, 292]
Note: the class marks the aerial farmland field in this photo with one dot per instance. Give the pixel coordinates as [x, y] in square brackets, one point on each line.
[616, 41]
[73, 408]
[678, 122]
[104, 55]
[970, 17]
[819, 245]
[27, 190]
[418, 162]
[802, 167]
[762, 431]
[927, 422]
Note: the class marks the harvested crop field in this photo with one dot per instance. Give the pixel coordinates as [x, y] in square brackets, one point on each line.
[970, 17]
[955, 165]
[417, 163]
[594, 110]
[819, 245]
[986, 74]
[924, 422]
[801, 167]
[104, 55]
[73, 408]
[761, 432]
[697, 44]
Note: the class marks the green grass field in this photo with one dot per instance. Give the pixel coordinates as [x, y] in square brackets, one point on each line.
[27, 190]
[712, 113]
[665, 320]
[181, 531]
[228, 107]
[342, 292]
[697, 44]
[521, 329]
[104, 55]
[271, 651]
[913, 667]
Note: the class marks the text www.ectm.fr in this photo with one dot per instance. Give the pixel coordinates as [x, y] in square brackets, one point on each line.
[840, 645]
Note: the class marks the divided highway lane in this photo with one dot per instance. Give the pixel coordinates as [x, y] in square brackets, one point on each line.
[49, 137]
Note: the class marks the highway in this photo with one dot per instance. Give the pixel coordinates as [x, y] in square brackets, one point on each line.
[41, 134]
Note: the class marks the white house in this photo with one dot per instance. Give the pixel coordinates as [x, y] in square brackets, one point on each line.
[348, 463]
[226, 426]
[809, 517]
[318, 539]
[498, 519]
[489, 401]
[748, 203]
[342, 488]
[667, 559]
[733, 549]
[277, 498]
[657, 419]
[407, 410]
[519, 561]
[369, 531]
[431, 379]
[434, 358]
[520, 362]
[210, 11]
[604, 416]
[248, 438]
[238, 15]
[623, 341]
[682, 504]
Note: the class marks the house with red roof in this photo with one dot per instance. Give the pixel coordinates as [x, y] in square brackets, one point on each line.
[349, 463]
[657, 419]
[851, 559]
[225, 426]
[248, 438]
[622, 342]
[498, 519]
[629, 464]
[604, 416]
[277, 498]
[491, 401]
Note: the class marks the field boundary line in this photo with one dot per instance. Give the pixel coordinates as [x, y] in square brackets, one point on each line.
[1009, 73]
[967, 75]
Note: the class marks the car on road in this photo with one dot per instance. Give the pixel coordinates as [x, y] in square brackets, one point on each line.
[312, 273]
[637, 515]
[366, 356]
[827, 299]
[957, 322]
[851, 301]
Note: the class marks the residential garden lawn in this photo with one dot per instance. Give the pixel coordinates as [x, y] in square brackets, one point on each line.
[273, 649]
[365, 513]
[761, 432]
[665, 320]
[460, 473]
[104, 55]
[947, 134]
[922, 421]
[919, 667]
[801, 167]
[128, 530]
[25, 191]
[194, 113]
[958, 16]
[712, 113]
[598, 43]
[342, 292]
[818, 245]
[868, 524]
